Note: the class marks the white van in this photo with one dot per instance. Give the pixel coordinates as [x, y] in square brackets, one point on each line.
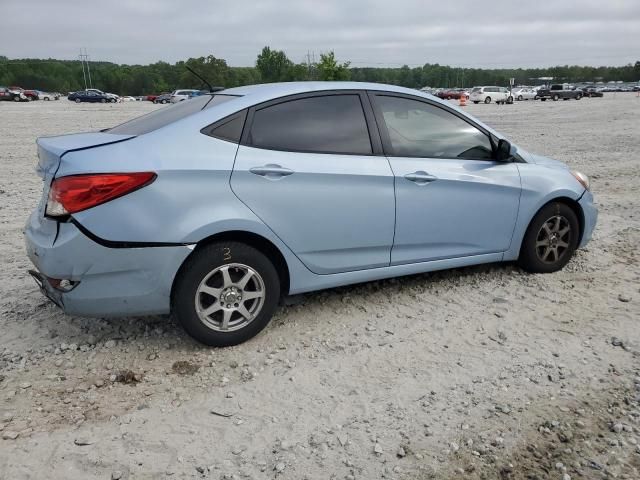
[490, 94]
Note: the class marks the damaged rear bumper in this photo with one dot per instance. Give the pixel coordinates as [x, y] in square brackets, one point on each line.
[110, 281]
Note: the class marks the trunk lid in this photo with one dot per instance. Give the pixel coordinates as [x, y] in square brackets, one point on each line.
[52, 149]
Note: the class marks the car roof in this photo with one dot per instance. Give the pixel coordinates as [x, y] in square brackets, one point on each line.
[267, 91]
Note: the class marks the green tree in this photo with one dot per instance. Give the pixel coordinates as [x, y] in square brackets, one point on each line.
[273, 65]
[330, 69]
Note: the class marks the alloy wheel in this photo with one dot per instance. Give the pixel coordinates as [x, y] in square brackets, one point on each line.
[553, 239]
[230, 297]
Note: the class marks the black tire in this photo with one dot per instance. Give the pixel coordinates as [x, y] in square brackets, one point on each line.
[543, 99]
[555, 97]
[531, 255]
[197, 267]
[578, 97]
[103, 100]
[476, 102]
[16, 98]
[487, 100]
[163, 101]
[78, 100]
[510, 100]
[520, 98]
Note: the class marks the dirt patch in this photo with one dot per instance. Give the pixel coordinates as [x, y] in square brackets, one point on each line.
[183, 367]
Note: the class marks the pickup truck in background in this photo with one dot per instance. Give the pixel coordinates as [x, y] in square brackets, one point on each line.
[562, 91]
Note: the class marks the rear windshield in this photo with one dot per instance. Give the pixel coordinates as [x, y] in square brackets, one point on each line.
[477, 89]
[166, 115]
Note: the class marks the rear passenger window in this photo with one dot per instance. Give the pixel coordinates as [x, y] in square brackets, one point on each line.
[229, 128]
[319, 124]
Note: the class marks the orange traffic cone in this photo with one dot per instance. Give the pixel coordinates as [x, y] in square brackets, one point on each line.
[463, 100]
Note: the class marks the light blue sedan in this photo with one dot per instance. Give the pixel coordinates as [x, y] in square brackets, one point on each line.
[214, 208]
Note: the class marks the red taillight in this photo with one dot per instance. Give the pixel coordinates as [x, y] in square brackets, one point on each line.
[78, 192]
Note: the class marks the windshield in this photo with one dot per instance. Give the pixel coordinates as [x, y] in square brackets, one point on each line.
[166, 115]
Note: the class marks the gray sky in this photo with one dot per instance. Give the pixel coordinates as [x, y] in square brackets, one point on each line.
[471, 33]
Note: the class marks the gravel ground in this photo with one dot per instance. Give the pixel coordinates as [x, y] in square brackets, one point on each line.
[477, 373]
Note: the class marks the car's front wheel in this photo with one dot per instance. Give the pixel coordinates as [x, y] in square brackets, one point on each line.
[225, 293]
[487, 100]
[550, 240]
[78, 100]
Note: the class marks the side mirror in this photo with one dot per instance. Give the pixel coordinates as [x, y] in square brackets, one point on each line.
[504, 150]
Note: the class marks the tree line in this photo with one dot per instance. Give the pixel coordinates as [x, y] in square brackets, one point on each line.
[274, 66]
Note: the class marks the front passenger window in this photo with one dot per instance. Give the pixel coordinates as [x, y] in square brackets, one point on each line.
[419, 129]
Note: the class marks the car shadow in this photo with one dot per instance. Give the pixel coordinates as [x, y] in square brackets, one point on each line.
[163, 331]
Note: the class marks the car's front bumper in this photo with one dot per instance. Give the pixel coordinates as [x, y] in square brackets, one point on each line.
[590, 212]
[111, 281]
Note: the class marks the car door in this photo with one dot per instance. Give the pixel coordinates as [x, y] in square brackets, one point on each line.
[309, 168]
[452, 198]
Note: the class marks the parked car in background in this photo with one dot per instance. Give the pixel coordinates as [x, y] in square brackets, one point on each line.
[524, 94]
[592, 92]
[164, 98]
[46, 96]
[151, 98]
[559, 91]
[89, 96]
[452, 94]
[490, 94]
[214, 208]
[199, 93]
[128, 99]
[112, 97]
[30, 94]
[180, 95]
[8, 94]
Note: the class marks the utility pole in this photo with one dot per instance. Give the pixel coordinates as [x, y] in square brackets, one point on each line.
[84, 58]
[84, 75]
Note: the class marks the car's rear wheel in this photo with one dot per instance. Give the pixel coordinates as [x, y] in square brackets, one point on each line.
[519, 98]
[578, 97]
[550, 240]
[78, 100]
[225, 293]
[555, 97]
[103, 100]
[16, 98]
[487, 100]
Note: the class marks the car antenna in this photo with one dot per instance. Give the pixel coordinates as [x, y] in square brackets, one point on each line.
[211, 89]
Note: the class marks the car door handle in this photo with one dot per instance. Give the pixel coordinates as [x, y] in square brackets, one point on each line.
[420, 177]
[271, 171]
